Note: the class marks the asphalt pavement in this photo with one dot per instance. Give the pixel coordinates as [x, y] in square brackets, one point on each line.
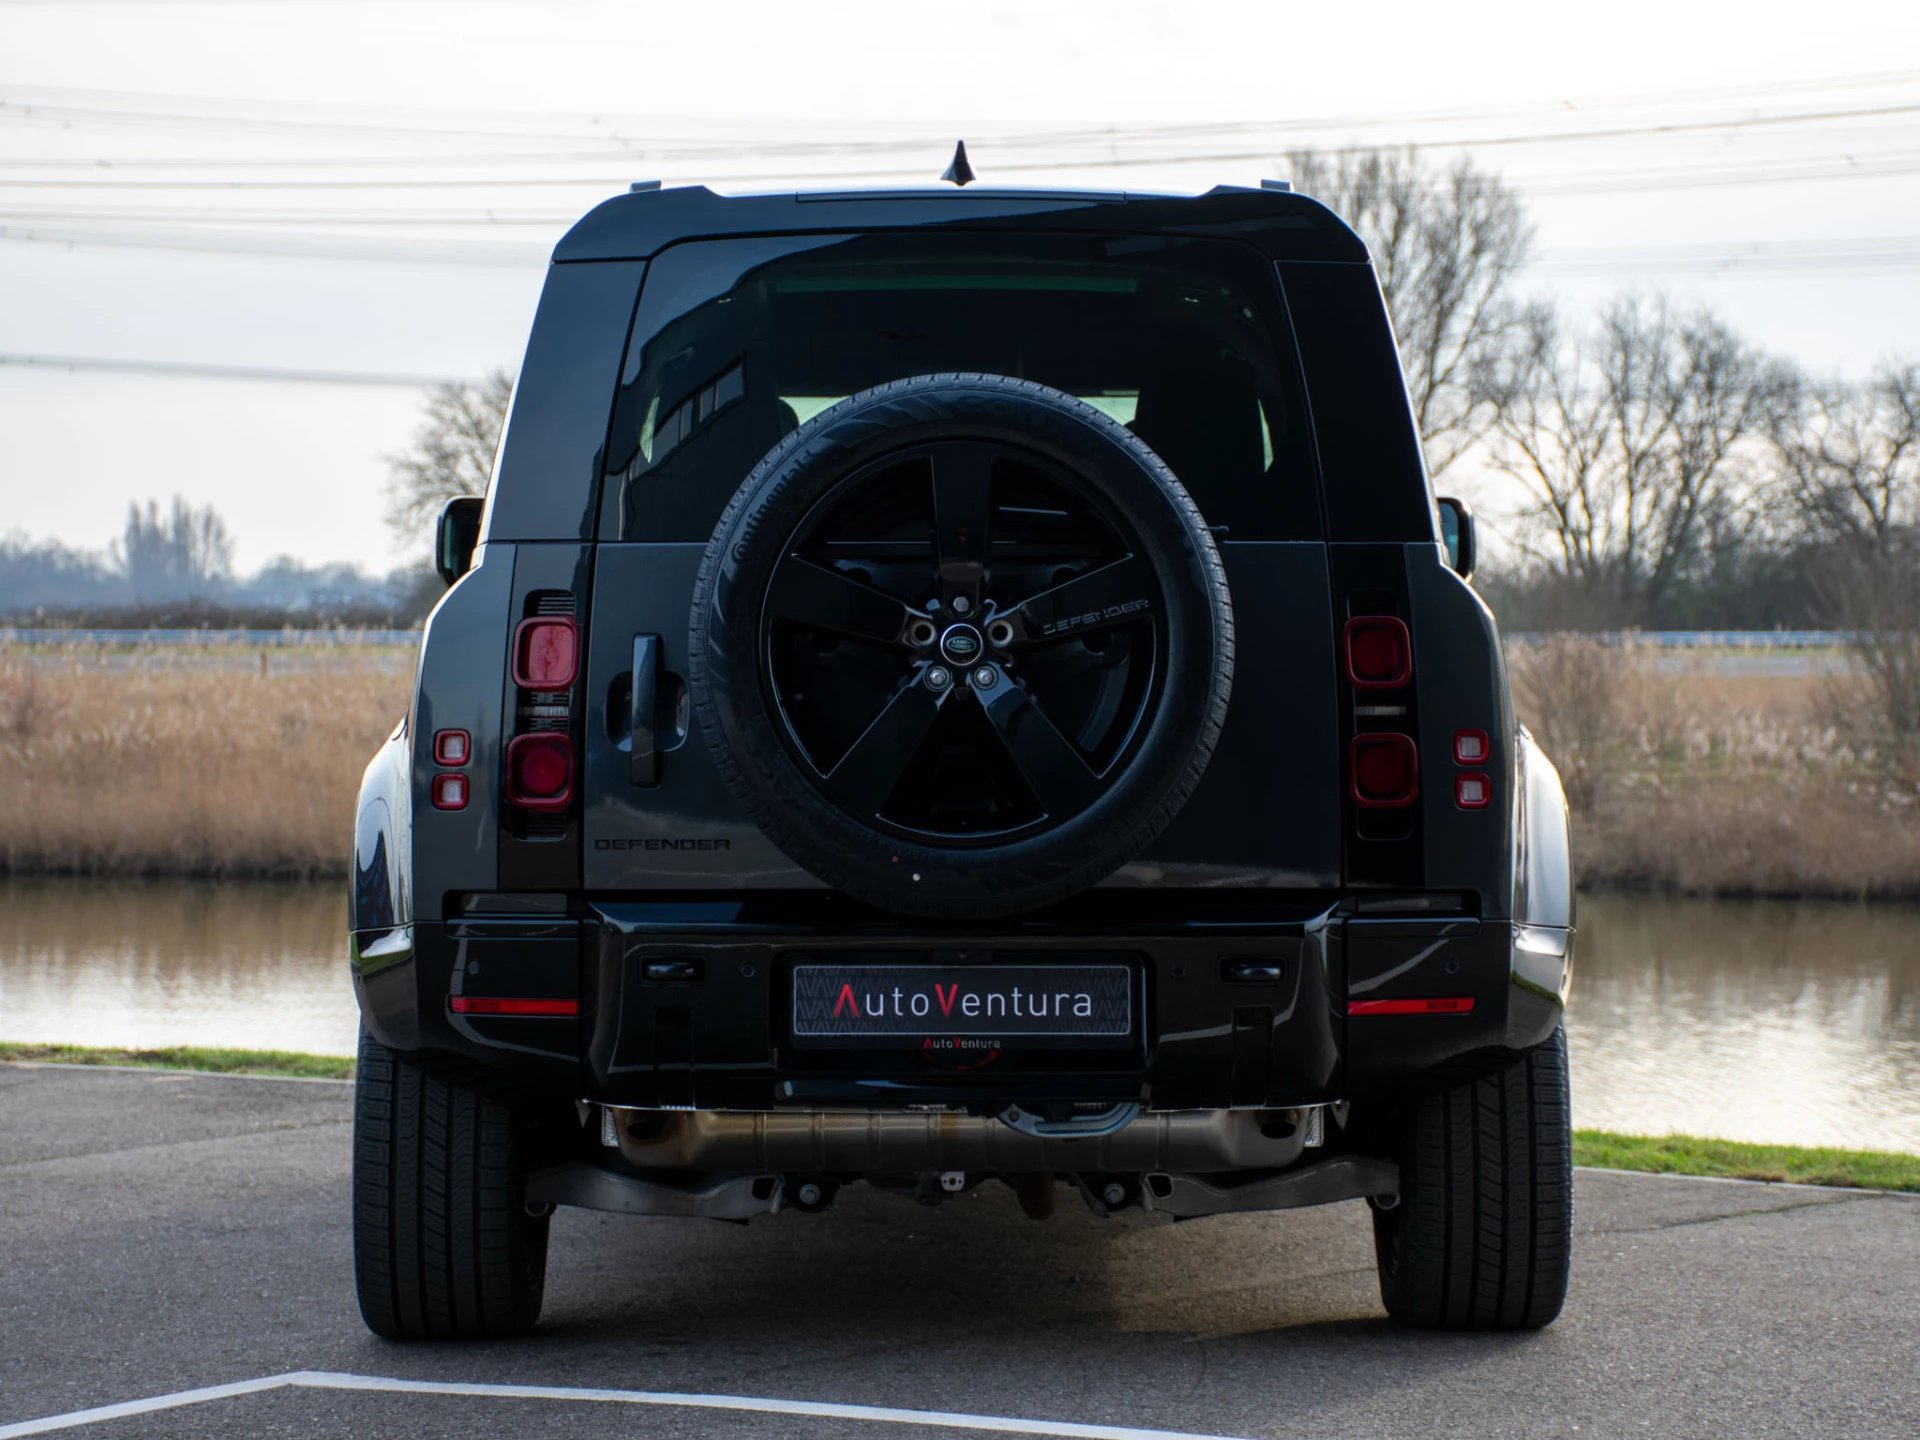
[162, 1234]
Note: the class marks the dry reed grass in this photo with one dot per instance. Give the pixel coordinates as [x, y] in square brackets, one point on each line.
[198, 763]
[149, 762]
[1686, 779]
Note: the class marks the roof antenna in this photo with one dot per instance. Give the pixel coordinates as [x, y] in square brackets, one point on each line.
[959, 172]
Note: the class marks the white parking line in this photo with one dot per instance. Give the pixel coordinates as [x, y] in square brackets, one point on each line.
[142, 1407]
[334, 1380]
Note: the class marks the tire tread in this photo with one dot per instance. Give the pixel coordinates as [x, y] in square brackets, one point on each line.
[1481, 1236]
[443, 1248]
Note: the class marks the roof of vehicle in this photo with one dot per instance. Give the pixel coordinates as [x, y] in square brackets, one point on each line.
[637, 225]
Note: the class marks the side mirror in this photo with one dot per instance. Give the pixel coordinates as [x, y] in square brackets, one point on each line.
[455, 534]
[1456, 530]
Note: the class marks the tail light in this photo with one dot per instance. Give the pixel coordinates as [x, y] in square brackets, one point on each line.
[1385, 768]
[1379, 652]
[540, 771]
[1472, 791]
[450, 791]
[546, 654]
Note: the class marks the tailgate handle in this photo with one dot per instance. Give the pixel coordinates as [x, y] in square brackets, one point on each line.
[1260, 968]
[644, 762]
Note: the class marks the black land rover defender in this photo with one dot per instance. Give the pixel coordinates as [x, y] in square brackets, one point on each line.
[960, 687]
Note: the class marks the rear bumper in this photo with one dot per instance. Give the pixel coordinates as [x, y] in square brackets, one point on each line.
[715, 1035]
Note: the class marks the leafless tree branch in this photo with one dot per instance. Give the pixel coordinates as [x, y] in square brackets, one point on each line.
[452, 452]
[1446, 246]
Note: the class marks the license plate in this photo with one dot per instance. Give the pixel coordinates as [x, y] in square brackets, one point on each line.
[871, 1007]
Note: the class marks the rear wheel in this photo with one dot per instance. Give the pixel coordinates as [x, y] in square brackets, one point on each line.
[1481, 1235]
[443, 1246]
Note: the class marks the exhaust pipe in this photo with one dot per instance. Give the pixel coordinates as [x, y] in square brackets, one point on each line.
[1193, 1142]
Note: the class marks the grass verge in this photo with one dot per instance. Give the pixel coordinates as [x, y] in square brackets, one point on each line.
[188, 1057]
[1737, 1160]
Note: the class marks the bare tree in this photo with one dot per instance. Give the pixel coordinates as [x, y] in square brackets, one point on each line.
[1637, 447]
[452, 451]
[1853, 454]
[185, 553]
[1446, 245]
[1853, 457]
[1574, 692]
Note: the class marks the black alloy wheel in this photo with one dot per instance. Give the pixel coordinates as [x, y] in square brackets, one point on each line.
[962, 644]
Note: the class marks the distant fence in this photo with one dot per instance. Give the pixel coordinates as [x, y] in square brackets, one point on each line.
[1706, 639]
[245, 639]
[238, 639]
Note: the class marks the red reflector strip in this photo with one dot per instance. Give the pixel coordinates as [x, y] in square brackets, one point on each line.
[493, 1005]
[1441, 1005]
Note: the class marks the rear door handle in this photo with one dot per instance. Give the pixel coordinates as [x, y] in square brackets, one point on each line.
[645, 761]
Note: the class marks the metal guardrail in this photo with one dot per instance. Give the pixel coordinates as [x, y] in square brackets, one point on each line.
[1654, 639]
[1704, 639]
[239, 639]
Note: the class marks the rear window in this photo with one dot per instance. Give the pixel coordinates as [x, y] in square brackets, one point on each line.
[738, 342]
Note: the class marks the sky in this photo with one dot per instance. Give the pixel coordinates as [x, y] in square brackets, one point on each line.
[236, 236]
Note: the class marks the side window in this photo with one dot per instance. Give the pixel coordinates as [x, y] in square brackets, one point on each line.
[736, 343]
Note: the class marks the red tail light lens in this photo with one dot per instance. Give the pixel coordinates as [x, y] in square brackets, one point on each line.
[1379, 652]
[452, 747]
[1385, 770]
[449, 792]
[546, 654]
[540, 771]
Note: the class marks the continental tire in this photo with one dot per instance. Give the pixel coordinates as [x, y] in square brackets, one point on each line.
[443, 1248]
[1481, 1236]
[1027, 680]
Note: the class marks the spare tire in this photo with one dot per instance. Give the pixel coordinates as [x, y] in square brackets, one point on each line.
[962, 645]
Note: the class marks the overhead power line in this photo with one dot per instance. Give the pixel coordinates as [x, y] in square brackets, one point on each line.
[1723, 259]
[110, 212]
[1851, 166]
[1141, 155]
[1757, 172]
[211, 371]
[241, 242]
[68, 104]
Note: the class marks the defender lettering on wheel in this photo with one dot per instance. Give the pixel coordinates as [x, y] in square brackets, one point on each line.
[954, 689]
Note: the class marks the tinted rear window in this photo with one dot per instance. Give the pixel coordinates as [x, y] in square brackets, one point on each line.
[738, 342]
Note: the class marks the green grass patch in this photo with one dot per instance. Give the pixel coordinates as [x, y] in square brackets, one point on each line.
[1737, 1160]
[187, 1057]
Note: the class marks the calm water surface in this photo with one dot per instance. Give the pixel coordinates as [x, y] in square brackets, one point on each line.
[1751, 1020]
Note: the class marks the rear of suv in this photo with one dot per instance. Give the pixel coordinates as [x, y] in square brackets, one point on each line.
[953, 688]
